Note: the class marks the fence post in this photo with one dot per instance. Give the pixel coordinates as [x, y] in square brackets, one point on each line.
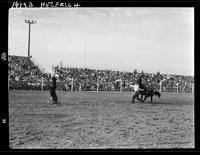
[120, 86]
[72, 84]
[8, 81]
[97, 86]
[160, 85]
[79, 86]
[192, 87]
[42, 84]
[177, 88]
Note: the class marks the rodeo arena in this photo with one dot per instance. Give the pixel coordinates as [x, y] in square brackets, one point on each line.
[96, 108]
[54, 104]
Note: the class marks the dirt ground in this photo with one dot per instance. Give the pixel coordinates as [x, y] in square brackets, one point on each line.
[90, 120]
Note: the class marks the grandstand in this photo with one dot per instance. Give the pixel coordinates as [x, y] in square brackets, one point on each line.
[25, 73]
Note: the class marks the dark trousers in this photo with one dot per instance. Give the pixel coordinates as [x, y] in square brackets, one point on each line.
[141, 86]
[53, 94]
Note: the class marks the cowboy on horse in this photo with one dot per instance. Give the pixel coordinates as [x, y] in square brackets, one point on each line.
[141, 85]
[141, 89]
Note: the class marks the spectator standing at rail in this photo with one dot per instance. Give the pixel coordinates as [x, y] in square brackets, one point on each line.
[52, 88]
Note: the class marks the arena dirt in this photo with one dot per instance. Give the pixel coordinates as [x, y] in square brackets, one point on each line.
[89, 120]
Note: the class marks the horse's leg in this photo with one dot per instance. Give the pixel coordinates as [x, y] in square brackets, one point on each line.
[141, 97]
[145, 98]
[151, 98]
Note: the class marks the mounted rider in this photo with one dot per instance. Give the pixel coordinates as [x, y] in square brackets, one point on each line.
[141, 85]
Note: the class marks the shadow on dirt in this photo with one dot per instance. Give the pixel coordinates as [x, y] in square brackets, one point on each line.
[165, 103]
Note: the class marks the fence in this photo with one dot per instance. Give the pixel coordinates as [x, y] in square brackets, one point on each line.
[43, 85]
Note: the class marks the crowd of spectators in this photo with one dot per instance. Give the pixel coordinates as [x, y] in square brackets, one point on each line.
[25, 74]
[109, 80]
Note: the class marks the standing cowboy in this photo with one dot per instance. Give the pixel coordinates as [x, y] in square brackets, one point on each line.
[136, 92]
[52, 87]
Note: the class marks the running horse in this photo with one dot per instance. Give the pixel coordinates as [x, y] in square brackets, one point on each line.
[145, 92]
[149, 91]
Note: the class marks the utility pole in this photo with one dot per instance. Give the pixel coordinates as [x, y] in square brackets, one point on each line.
[85, 55]
[29, 22]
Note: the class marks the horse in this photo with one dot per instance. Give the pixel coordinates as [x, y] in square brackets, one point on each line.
[149, 92]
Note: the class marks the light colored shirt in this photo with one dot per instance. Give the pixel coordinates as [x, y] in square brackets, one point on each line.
[136, 87]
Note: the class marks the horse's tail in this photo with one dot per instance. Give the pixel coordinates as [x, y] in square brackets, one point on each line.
[157, 93]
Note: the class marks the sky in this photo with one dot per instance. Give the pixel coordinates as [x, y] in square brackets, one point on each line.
[121, 38]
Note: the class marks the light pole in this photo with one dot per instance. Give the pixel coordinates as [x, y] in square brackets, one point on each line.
[85, 55]
[29, 22]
